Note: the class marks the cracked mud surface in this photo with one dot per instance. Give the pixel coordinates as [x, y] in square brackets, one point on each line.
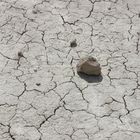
[41, 95]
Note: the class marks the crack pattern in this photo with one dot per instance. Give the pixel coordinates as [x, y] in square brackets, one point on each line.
[42, 96]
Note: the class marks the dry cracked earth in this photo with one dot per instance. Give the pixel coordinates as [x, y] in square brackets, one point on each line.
[41, 95]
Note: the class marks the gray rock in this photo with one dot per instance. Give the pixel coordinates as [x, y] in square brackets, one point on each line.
[89, 66]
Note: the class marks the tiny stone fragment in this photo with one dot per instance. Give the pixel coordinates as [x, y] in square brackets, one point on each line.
[35, 70]
[34, 12]
[109, 8]
[73, 44]
[89, 66]
[38, 84]
[20, 54]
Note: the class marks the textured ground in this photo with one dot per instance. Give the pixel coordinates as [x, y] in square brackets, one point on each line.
[41, 95]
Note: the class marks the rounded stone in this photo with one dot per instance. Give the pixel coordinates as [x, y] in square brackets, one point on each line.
[89, 66]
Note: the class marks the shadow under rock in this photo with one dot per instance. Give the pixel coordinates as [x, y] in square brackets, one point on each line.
[90, 78]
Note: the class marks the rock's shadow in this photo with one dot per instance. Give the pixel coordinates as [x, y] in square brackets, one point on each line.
[90, 78]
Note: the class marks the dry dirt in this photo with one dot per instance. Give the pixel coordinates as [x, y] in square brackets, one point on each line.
[41, 95]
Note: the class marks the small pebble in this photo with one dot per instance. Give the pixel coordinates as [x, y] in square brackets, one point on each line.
[38, 84]
[20, 54]
[89, 65]
[73, 44]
